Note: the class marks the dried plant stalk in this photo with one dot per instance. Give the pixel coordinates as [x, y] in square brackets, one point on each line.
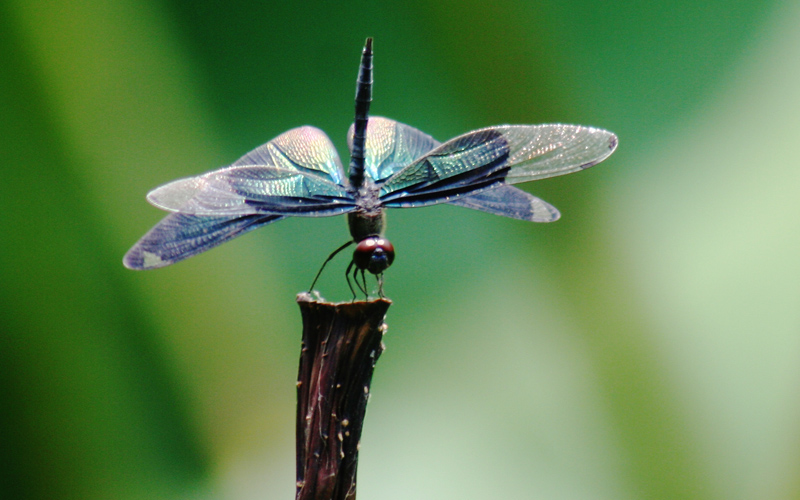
[341, 344]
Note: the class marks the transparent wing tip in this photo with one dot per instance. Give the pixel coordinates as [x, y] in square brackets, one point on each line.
[171, 197]
[611, 142]
[541, 211]
[139, 259]
[552, 215]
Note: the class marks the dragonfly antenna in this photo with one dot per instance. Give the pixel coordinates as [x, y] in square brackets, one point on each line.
[363, 98]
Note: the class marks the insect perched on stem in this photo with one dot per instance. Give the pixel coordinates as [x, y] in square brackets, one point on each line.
[392, 165]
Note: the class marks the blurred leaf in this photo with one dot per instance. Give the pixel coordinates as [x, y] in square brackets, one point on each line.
[91, 408]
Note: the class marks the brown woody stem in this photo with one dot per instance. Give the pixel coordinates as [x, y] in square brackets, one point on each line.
[341, 344]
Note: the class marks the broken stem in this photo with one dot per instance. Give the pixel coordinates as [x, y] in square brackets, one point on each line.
[341, 344]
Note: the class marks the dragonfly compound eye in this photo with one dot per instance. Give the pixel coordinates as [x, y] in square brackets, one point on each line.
[374, 255]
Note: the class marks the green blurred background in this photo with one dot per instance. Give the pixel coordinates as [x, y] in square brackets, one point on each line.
[647, 345]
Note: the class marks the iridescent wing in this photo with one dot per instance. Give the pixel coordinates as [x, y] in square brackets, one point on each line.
[179, 236]
[489, 158]
[509, 201]
[391, 146]
[297, 173]
[305, 149]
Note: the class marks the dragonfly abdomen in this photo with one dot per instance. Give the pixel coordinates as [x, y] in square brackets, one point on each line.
[363, 98]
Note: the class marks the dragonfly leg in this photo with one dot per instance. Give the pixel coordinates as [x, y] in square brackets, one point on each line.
[347, 277]
[361, 287]
[364, 281]
[379, 277]
[331, 256]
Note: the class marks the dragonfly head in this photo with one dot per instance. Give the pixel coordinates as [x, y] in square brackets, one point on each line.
[374, 254]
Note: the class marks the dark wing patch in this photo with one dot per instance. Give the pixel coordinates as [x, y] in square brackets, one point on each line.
[180, 236]
[509, 201]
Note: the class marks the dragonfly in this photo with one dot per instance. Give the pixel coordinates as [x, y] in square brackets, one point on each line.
[392, 165]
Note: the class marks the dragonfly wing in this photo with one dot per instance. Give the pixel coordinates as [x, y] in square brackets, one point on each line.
[471, 162]
[541, 151]
[305, 149]
[391, 146]
[253, 189]
[509, 201]
[297, 173]
[179, 236]
[485, 158]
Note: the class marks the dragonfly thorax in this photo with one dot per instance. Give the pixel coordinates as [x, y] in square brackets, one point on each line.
[369, 218]
[364, 224]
